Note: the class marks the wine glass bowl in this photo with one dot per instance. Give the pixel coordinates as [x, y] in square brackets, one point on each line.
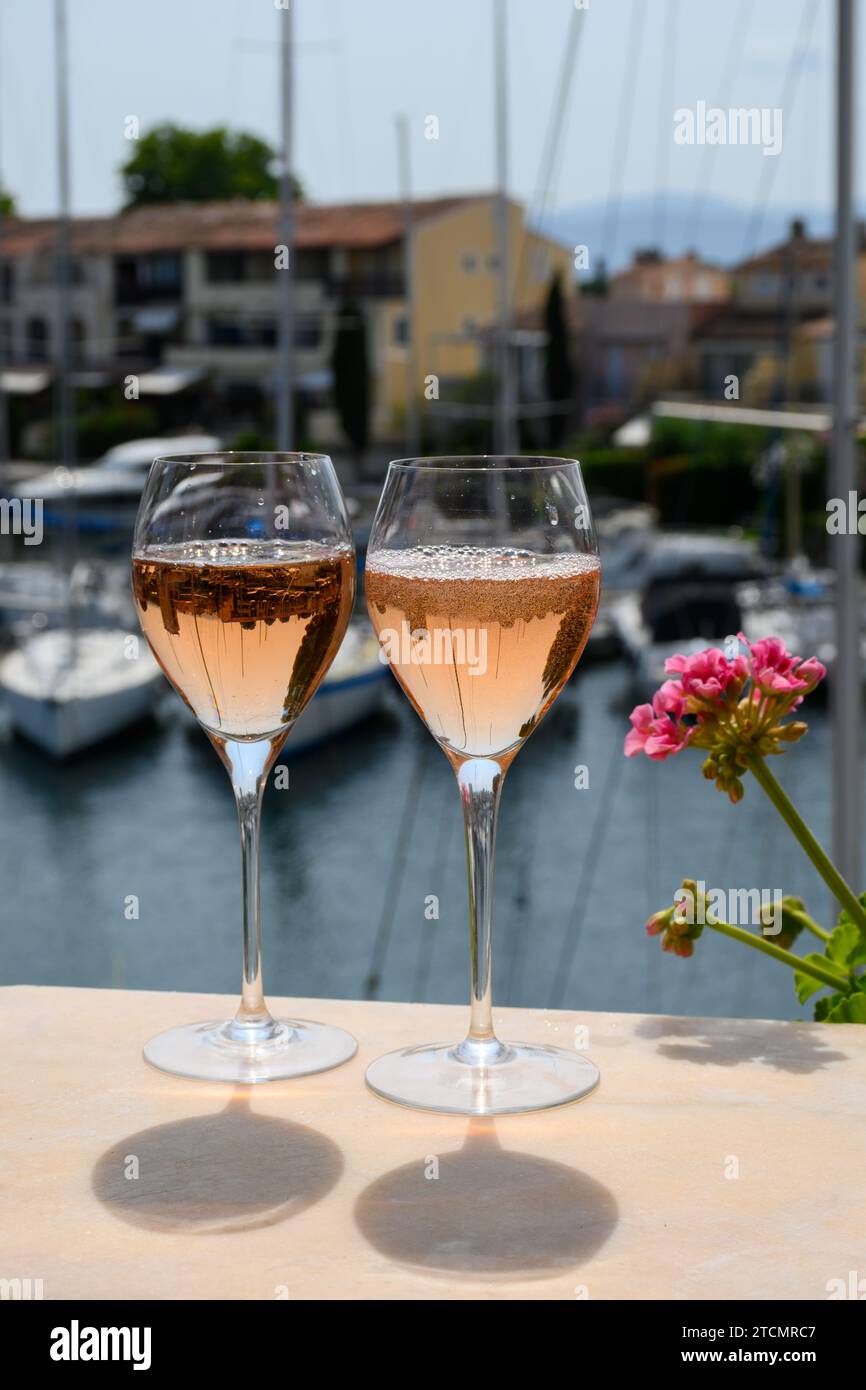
[243, 575]
[482, 582]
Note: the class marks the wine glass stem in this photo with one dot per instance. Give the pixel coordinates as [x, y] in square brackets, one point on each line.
[248, 765]
[480, 781]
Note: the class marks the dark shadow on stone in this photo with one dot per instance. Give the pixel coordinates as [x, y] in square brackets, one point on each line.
[489, 1211]
[724, 1042]
[231, 1171]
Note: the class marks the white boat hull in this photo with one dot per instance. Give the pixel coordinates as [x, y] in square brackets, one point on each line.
[65, 705]
[336, 706]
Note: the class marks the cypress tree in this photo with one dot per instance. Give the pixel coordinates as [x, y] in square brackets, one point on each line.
[351, 374]
[558, 374]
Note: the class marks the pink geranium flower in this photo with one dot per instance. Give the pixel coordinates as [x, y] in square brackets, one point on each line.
[657, 729]
[774, 670]
[735, 708]
[706, 675]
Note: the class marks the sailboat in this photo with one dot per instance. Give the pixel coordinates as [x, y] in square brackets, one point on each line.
[66, 690]
[73, 686]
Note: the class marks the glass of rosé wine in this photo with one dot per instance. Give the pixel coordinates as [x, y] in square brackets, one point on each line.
[482, 580]
[243, 573]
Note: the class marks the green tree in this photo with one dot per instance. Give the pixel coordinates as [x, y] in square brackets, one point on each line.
[352, 375]
[171, 164]
[7, 204]
[559, 377]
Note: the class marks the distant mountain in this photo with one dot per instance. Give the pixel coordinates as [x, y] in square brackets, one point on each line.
[727, 232]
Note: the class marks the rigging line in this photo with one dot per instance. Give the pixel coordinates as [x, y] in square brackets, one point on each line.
[736, 49]
[234, 77]
[793, 72]
[524, 858]
[623, 133]
[345, 124]
[665, 135]
[551, 151]
[592, 858]
[395, 875]
[432, 928]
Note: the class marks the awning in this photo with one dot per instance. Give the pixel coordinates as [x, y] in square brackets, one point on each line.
[23, 382]
[634, 434]
[321, 379]
[156, 319]
[168, 381]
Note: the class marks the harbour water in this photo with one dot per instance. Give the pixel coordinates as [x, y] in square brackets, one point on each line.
[122, 868]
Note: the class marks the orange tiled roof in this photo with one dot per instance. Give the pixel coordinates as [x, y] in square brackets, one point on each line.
[238, 225]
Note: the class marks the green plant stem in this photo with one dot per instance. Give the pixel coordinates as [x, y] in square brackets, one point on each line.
[808, 922]
[825, 974]
[795, 823]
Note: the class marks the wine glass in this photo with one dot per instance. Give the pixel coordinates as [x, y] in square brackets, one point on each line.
[482, 581]
[243, 572]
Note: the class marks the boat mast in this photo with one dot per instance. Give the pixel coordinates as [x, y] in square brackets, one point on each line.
[285, 384]
[504, 442]
[848, 675]
[64, 414]
[5, 326]
[405, 184]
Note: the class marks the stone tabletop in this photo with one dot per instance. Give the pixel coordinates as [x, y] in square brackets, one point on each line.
[719, 1159]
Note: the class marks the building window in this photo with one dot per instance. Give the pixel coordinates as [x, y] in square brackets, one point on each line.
[469, 263]
[37, 340]
[491, 261]
[7, 284]
[400, 331]
[308, 332]
[223, 333]
[224, 267]
[614, 373]
[159, 272]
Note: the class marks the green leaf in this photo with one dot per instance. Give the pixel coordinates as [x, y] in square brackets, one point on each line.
[850, 1010]
[823, 1006]
[844, 945]
[806, 985]
[857, 955]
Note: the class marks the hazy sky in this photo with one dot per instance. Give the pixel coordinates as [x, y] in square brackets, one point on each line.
[358, 62]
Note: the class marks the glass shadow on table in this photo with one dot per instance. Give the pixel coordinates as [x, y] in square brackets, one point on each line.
[235, 1170]
[487, 1209]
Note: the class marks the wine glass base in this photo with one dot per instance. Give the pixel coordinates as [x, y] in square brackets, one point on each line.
[205, 1052]
[522, 1077]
